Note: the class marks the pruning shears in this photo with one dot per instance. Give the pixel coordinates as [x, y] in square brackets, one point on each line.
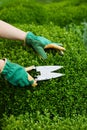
[46, 72]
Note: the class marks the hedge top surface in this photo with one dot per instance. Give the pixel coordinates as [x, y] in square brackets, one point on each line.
[65, 96]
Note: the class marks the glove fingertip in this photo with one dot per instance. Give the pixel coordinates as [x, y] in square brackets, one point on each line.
[41, 52]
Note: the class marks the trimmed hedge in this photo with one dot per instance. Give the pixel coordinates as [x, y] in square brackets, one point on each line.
[65, 96]
[44, 122]
[64, 13]
[61, 13]
[57, 104]
[23, 12]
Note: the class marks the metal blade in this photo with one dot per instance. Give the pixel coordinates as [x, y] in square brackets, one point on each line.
[47, 68]
[48, 76]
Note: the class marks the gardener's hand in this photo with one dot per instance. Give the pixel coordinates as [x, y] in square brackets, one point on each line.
[40, 43]
[17, 74]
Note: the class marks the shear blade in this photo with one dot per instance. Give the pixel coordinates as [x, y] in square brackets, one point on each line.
[47, 68]
[48, 76]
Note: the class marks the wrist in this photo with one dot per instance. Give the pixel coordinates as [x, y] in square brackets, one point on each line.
[25, 38]
[2, 64]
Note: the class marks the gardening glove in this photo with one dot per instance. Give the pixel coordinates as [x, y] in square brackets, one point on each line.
[40, 43]
[17, 75]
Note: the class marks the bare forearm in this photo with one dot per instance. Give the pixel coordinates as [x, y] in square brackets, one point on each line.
[10, 32]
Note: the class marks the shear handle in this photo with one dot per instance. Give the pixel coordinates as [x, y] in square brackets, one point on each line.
[30, 68]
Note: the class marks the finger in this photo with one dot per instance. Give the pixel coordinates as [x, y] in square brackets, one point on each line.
[34, 84]
[55, 46]
[29, 68]
[41, 52]
[30, 78]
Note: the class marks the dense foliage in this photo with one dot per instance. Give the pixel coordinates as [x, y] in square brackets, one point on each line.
[61, 13]
[57, 104]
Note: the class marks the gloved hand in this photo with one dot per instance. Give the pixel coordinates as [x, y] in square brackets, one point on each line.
[17, 75]
[40, 43]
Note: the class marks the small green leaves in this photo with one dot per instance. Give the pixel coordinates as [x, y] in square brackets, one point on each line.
[57, 104]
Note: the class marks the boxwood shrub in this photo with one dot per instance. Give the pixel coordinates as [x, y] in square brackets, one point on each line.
[44, 122]
[61, 97]
[60, 13]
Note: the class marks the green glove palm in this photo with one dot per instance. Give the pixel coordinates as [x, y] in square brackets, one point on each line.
[39, 43]
[16, 74]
